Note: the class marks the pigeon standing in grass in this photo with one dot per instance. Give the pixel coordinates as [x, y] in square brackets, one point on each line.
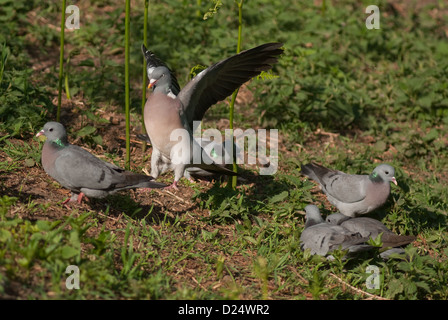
[322, 238]
[353, 194]
[167, 114]
[83, 173]
[370, 228]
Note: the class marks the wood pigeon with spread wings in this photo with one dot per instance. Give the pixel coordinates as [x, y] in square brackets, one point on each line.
[169, 116]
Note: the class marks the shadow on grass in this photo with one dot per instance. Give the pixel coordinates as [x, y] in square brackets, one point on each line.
[410, 217]
[250, 198]
[22, 196]
[118, 204]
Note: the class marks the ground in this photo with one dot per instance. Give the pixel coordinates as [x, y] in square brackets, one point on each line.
[32, 184]
[206, 242]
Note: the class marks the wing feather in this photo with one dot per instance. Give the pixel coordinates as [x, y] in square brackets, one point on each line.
[221, 79]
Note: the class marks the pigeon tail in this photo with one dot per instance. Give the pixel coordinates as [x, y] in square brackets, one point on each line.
[215, 169]
[314, 171]
[133, 180]
[395, 240]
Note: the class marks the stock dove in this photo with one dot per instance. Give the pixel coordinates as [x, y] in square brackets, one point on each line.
[353, 194]
[370, 228]
[83, 173]
[169, 117]
[322, 238]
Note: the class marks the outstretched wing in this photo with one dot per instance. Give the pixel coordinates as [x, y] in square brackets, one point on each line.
[221, 79]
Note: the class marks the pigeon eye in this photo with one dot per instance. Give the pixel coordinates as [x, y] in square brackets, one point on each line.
[387, 172]
[51, 129]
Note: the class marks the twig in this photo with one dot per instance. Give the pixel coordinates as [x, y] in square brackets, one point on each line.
[132, 140]
[178, 198]
[371, 296]
[33, 15]
[325, 133]
[108, 217]
[300, 147]
[298, 275]
[170, 193]
[202, 287]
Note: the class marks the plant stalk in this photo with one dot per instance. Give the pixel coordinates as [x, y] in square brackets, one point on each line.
[67, 88]
[145, 42]
[61, 61]
[126, 80]
[235, 93]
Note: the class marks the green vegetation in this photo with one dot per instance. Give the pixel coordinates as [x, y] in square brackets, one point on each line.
[341, 95]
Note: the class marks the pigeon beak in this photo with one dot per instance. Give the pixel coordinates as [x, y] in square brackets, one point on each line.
[41, 132]
[152, 82]
[394, 181]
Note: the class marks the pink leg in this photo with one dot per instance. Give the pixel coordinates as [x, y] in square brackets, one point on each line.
[80, 197]
[65, 203]
[173, 186]
[79, 200]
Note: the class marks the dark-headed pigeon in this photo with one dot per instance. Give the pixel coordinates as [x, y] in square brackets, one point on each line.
[353, 194]
[83, 173]
[152, 62]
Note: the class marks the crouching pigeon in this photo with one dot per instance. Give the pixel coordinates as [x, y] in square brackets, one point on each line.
[83, 173]
[353, 194]
[370, 228]
[322, 238]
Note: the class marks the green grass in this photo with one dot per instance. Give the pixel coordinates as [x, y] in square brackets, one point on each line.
[345, 96]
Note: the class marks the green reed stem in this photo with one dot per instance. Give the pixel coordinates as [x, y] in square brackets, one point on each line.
[235, 93]
[61, 61]
[145, 42]
[126, 80]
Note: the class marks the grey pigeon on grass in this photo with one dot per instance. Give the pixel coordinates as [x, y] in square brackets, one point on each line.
[370, 228]
[322, 238]
[83, 173]
[353, 194]
[167, 112]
